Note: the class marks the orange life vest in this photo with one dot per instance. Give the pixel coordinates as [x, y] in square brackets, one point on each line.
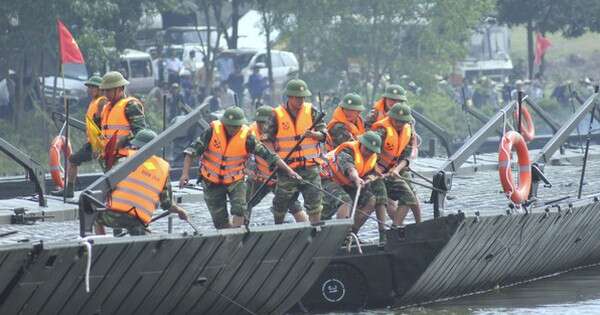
[393, 144]
[379, 108]
[223, 160]
[263, 171]
[339, 117]
[114, 121]
[288, 134]
[138, 194]
[91, 113]
[363, 167]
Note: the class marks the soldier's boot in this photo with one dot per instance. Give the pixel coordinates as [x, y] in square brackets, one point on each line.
[301, 216]
[237, 221]
[69, 190]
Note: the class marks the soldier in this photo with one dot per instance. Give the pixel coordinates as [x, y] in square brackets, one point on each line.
[393, 94]
[352, 165]
[123, 117]
[346, 123]
[131, 205]
[292, 120]
[93, 120]
[223, 150]
[260, 170]
[396, 132]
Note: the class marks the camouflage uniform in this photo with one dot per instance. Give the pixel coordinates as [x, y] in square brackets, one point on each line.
[397, 188]
[120, 220]
[215, 195]
[287, 188]
[339, 134]
[345, 160]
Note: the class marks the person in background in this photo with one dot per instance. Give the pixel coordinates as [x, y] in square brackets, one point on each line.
[235, 81]
[185, 78]
[176, 105]
[174, 66]
[256, 85]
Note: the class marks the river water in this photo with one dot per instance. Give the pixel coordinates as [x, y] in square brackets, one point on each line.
[575, 292]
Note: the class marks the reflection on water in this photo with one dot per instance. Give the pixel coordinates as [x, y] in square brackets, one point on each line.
[576, 292]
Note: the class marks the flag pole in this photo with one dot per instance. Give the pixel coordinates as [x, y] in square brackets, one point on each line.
[66, 145]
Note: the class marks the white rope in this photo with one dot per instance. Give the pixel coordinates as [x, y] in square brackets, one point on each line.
[86, 242]
[62, 129]
[354, 237]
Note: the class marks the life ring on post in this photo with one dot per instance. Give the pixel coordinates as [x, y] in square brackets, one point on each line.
[520, 193]
[57, 147]
[527, 127]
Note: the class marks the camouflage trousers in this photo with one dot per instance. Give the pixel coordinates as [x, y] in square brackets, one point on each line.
[399, 189]
[287, 191]
[345, 194]
[253, 186]
[119, 221]
[216, 195]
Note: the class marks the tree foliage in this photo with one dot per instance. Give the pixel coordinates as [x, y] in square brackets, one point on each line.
[571, 18]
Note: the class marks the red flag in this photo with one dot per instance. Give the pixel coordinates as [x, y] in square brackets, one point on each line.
[541, 45]
[69, 51]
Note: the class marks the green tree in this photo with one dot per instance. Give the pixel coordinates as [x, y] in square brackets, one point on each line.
[571, 18]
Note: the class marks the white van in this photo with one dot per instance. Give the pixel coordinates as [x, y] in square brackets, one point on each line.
[285, 64]
[136, 66]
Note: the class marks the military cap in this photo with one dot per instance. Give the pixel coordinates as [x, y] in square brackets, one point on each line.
[264, 113]
[113, 79]
[352, 101]
[143, 137]
[297, 87]
[395, 92]
[401, 112]
[371, 140]
[93, 81]
[233, 116]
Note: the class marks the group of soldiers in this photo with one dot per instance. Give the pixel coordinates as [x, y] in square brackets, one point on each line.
[330, 164]
[347, 164]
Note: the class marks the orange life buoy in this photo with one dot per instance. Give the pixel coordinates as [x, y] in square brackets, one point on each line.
[527, 127]
[520, 193]
[57, 146]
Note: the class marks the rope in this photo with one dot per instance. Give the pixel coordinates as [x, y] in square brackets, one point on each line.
[86, 242]
[342, 201]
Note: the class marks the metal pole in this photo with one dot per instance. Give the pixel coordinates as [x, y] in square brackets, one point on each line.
[464, 107]
[356, 197]
[587, 148]
[570, 87]
[66, 147]
[519, 107]
[164, 122]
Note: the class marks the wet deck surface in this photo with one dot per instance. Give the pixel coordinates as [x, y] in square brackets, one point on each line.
[474, 189]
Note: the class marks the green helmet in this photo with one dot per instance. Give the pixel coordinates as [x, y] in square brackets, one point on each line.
[297, 87]
[233, 116]
[352, 101]
[371, 140]
[264, 113]
[143, 137]
[113, 79]
[401, 112]
[93, 81]
[395, 92]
